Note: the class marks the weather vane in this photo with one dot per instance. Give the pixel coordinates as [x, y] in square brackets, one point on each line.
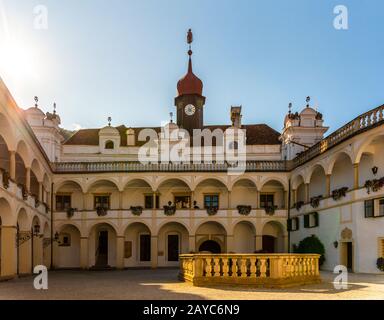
[189, 40]
[36, 101]
[109, 121]
[171, 116]
[289, 107]
[308, 99]
[54, 108]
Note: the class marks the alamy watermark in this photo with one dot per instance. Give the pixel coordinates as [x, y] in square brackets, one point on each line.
[341, 280]
[40, 21]
[340, 22]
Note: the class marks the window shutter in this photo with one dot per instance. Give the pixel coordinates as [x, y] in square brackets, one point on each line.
[368, 206]
[297, 223]
[382, 247]
[306, 221]
[289, 225]
[316, 216]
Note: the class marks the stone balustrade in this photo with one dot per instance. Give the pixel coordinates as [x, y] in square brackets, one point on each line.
[264, 270]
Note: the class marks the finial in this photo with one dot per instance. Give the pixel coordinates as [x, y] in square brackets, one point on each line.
[171, 116]
[308, 99]
[54, 108]
[36, 101]
[109, 121]
[289, 107]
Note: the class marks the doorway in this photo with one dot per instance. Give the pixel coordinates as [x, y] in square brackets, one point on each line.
[173, 247]
[210, 246]
[145, 247]
[269, 244]
[102, 249]
[347, 255]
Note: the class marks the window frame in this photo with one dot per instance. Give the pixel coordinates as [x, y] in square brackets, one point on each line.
[266, 194]
[211, 195]
[62, 208]
[107, 195]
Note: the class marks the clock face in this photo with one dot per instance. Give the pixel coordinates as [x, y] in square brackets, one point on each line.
[189, 109]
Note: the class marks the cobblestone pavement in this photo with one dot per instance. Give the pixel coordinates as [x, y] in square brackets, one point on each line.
[163, 284]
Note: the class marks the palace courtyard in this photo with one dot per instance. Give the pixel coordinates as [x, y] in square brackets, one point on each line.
[162, 284]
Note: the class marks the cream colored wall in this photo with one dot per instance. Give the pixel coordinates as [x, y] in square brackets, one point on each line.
[69, 257]
[244, 238]
[132, 233]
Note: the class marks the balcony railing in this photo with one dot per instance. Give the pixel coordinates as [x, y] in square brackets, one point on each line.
[267, 270]
[363, 122]
[251, 166]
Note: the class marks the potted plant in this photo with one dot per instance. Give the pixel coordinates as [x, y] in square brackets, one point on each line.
[101, 212]
[170, 209]
[70, 212]
[6, 178]
[24, 191]
[315, 201]
[380, 263]
[270, 210]
[136, 211]
[339, 193]
[298, 205]
[244, 210]
[374, 185]
[212, 210]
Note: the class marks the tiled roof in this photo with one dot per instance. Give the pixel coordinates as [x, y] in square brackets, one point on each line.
[257, 134]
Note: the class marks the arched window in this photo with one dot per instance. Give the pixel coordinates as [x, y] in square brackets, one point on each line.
[109, 145]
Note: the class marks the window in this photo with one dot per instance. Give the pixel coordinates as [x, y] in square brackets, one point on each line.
[293, 224]
[311, 220]
[266, 200]
[211, 201]
[381, 207]
[65, 240]
[374, 208]
[381, 247]
[109, 145]
[63, 202]
[148, 201]
[368, 204]
[183, 202]
[102, 201]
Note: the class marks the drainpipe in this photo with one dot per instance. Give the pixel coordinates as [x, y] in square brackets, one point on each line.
[289, 214]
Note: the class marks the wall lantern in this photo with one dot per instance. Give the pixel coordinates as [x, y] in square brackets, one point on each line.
[335, 244]
[374, 170]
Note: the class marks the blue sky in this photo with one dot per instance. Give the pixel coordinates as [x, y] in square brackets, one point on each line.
[123, 58]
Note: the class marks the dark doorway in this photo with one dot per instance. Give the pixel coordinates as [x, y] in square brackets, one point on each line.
[211, 246]
[145, 247]
[269, 244]
[349, 256]
[102, 249]
[173, 247]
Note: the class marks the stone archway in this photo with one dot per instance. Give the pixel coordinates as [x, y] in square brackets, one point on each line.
[210, 246]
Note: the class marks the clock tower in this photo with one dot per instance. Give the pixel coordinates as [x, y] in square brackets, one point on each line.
[190, 100]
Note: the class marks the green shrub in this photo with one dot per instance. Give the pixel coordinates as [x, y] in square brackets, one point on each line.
[311, 244]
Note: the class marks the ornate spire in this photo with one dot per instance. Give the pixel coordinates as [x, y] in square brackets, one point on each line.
[190, 84]
[36, 101]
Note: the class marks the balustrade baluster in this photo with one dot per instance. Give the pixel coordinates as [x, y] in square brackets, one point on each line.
[263, 267]
[253, 268]
[217, 267]
[234, 267]
[208, 267]
[243, 268]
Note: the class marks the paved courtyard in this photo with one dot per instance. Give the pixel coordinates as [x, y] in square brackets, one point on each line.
[163, 284]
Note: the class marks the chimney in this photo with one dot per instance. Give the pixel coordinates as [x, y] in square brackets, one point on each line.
[236, 116]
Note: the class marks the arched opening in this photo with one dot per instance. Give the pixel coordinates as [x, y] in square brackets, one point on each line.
[69, 195]
[21, 172]
[109, 145]
[35, 186]
[272, 195]
[211, 193]
[138, 192]
[137, 245]
[7, 240]
[273, 237]
[299, 186]
[317, 184]
[210, 246]
[24, 249]
[372, 157]
[213, 231]
[244, 236]
[102, 242]
[68, 247]
[173, 239]
[4, 155]
[342, 173]
[104, 194]
[175, 191]
[244, 192]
